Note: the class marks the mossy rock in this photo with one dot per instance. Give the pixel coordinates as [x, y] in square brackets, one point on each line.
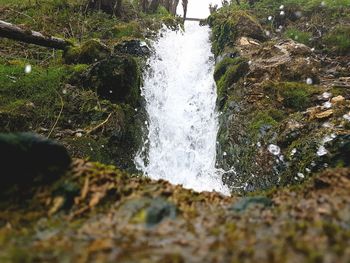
[116, 79]
[133, 47]
[89, 52]
[228, 25]
[225, 64]
[252, 201]
[228, 72]
[264, 120]
[29, 159]
[148, 211]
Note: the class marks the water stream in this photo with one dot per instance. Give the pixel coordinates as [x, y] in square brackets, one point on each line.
[180, 96]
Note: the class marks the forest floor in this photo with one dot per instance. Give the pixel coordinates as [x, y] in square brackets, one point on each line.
[100, 214]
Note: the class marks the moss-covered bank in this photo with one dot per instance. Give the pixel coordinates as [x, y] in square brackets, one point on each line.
[284, 116]
[88, 96]
[99, 214]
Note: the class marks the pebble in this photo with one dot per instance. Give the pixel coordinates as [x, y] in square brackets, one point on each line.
[274, 149]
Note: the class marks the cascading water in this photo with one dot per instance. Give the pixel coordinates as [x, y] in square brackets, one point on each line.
[180, 96]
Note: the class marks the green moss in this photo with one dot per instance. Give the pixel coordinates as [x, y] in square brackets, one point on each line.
[33, 92]
[229, 71]
[89, 148]
[21, 255]
[127, 30]
[224, 64]
[228, 24]
[294, 95]
[262, 119]
[299, 36]
[89, 52]
[162, 11]
[116, 79]
[338, 40]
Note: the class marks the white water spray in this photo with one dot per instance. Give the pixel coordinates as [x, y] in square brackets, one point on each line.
[180, 96]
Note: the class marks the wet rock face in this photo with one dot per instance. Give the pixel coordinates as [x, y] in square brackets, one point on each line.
[29, 159]
[229, 25]
[133, 47]
[284, 60]
[282, 117]
[116, 79]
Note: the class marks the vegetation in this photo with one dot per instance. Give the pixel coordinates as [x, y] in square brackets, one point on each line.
[299, 36]
[271, 126]
[283, 142]
[338, 40]
[296, 96]
[68, 95]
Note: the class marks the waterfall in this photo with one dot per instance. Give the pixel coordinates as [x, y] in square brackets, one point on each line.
[180, 95]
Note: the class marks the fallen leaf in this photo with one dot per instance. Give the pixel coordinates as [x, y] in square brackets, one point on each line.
[325, 114]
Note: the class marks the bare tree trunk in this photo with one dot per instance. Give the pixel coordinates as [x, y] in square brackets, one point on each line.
[144, 4]
[118, 7]
[32, 37]
[184, 5]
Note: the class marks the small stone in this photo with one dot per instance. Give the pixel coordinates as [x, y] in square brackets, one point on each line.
[347, 116]
[322, 151]
[159, 210]
[274, 149]
[301, 175]
[326, 95]
[328, 138]
[327, 105]
[247, 202]
[294, 151]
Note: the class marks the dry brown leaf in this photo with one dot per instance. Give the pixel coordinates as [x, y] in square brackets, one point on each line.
[57, 204]
[96, 198]
[325, 114]
[338, 99]
[101, 245]
[85, 189]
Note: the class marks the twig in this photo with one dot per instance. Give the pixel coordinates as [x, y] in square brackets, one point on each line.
[59, 115]
[100, 125]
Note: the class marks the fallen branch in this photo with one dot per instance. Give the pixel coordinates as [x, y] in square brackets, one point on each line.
[14, 32]
[100, 125]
